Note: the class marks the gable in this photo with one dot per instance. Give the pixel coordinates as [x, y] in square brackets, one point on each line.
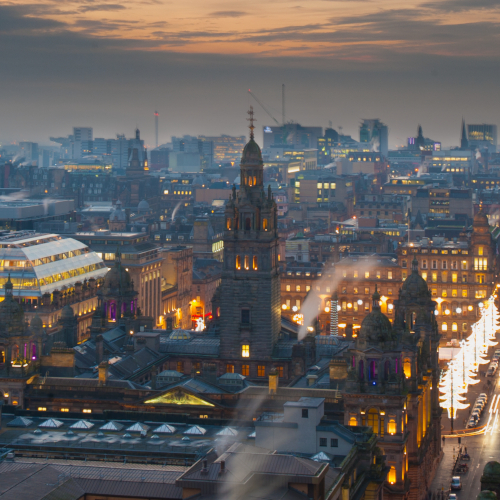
[178, 397]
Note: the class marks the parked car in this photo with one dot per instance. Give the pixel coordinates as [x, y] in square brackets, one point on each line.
[452, 496]
[483, 395]
[456, 483]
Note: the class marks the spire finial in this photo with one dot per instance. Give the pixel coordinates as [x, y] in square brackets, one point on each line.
[251, 120]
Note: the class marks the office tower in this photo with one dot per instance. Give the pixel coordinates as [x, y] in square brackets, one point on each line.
[482, 135]
[373, 131]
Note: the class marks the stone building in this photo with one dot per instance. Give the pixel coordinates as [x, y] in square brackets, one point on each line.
[391, 385]
[250, 312]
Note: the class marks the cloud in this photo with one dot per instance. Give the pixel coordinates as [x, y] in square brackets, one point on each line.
[101, 6]
[16, 18]
[462, 5]
[228, 13]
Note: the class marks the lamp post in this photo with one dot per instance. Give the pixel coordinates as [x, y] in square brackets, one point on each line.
[450, 365]
[462, 345]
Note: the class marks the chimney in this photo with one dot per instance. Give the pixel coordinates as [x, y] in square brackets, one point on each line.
[153, 379]
[99, 349]
[222, 466]
[273, 381]
[103, 373]
[204, 468]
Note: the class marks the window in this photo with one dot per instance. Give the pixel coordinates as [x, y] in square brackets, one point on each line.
[434, 264]
[444, 265]
[245, 370]
[308, 288]
[424, 276]
[247, 265]
[355, 290]
[334, 443]
[42, 408]
[407, 367]
[454, 277]
[480, 264]
[444, 327]
[391, 426]
[373, 420]
[389, 275]
[344, 306]
[464, 327]
[480, 278]
[480, 251]
[305, 413]
[464, 265]
[404, 264]
[344, 289]
[245, 316]
[229, 368]
[434, 277]
[367, 306]
[261, 371]
[297, 303]
[404, 275]
[238, 262]
[297, 288]
[264, 224]
[344, 274]
[454, 293]
[391, 477]
[444, 276]
[280, 371]
[180, 366]
[464, 292]
[454, 327]
[254, 263]
[454, 265]
[424, 264]
[367, 291]
[389, 291]
[287, 288]
[203, 416]
[65, 410]
[378, 275]
[353, 421]
[322, 442]
[245, 351]
[87, 410]
[367, 274]
[355, 274]
[480, 294]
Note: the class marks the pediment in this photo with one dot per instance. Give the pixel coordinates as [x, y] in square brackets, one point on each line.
[179, 397]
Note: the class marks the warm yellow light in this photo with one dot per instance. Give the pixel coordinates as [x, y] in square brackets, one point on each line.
[439, 300]
[327, 309]
[349, 305]
[342, 325]
[383, 298]
[470, 308]
[283, 307]
[447, 312]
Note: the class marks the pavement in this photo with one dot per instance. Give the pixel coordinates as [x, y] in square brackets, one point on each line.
[482, 448]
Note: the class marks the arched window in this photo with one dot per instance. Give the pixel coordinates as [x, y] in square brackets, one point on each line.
[353, 421]
[255, 263]
[247, 265]
[238, 262]
[250, 180]
[454, 327]
[361, 370]
[444, 327]
[264, 224]
[228, 223]
[373, 372]
[391, 426]
[254, 180]
[391, 477]
[354, 362]
[112, 311]
[407, 367]
[464, 327]
[373, 420]
[248, 224]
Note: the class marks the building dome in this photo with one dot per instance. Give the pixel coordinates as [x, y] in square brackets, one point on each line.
[179, 335]
[117, 280]
[67, 312]
[251, 154]
[143, 206]
[117, 214]
[415, 285]
[36, 323]
[492, 469]
[376, 326]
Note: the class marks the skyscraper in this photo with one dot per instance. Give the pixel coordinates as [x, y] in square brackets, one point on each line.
[375, 132]
[481, 135]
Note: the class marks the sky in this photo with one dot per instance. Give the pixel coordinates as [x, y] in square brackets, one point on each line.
[110, 65]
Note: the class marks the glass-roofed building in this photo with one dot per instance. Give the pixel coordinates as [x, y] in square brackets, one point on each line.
[42, 263]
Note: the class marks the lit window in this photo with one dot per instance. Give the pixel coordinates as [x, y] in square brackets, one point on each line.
[391, 477]
[424, 276]
[247, 263]
[42, 408]
[238, 262]
[404, 275]
[287, 288]
[389, 275]
[245, 351]
[445, 293]
[407, 367]
[261, 371]
[229, 368]
[353, 421]
[297, 288]
[480, 251]
[444, 327]
[245, 370]
[391, 426]
[373, 420]
[87, 410]
[65, 410]
[254, 263]
[355, 274]
[454, 327]
[464, 293]
[308, 288]
[434, 277]
[367, 274]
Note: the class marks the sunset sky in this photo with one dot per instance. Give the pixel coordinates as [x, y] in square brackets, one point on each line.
[109, 65]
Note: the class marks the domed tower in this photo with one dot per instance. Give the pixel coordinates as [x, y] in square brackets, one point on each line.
[69, 324]
[117, 297]
[250, 313]
[117, 218]
[11, 314]
[482, 247]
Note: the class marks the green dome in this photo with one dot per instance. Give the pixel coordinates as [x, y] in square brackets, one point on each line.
[415, 285]
[487, 495]
[36, 323]
[492, 469]
[67, 312]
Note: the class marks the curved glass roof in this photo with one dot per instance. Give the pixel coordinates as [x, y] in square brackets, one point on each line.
[42, 263]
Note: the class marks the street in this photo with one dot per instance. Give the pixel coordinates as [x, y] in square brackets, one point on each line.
[482, 448]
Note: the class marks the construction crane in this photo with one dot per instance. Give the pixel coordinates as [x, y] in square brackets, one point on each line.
[264, 108]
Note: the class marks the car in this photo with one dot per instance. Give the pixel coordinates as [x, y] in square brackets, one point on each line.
[483, 395]
[452, 496]
[456, 483]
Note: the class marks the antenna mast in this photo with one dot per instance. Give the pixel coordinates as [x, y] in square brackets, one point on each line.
[156, 127]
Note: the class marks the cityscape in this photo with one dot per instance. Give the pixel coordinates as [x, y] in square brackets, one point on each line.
[231, 296]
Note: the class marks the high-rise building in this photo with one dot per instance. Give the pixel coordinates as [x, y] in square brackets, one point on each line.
[373, 131]
[250, 312]
[226, 148]
[291, 134]
[83, 133]
[29, 151]
[482, 135]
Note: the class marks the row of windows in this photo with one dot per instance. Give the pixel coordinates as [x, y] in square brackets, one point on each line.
[246, 262]
[334, 443]
[443, 252]
[454, 327]
[377, 274]
[434, 264]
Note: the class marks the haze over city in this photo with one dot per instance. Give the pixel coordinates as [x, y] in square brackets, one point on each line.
[110, 65]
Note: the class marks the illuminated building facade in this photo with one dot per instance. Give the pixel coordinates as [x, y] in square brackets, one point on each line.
[431, 200]
[460, 275]
[392, 386]
[226, 148]
[48, 272]
[481, 135]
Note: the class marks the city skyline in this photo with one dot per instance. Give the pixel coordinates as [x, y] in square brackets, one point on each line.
[110, 66]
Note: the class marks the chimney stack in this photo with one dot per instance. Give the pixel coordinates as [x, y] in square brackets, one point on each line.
[99, 349]
[103, 373]
[222, 466]
[273, 381]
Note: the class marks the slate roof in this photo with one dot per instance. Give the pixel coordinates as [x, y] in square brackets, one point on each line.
[195, 346]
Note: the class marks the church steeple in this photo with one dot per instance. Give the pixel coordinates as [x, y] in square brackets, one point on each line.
[464, 143]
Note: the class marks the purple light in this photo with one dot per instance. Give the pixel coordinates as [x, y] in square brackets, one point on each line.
[33, 357]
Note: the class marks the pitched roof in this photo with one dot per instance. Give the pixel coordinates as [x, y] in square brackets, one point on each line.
[51, 423]
[20, 422]
[82, 424]
[111, 426]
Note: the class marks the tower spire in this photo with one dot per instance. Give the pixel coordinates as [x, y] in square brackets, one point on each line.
[251, 120]
[464, 143]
